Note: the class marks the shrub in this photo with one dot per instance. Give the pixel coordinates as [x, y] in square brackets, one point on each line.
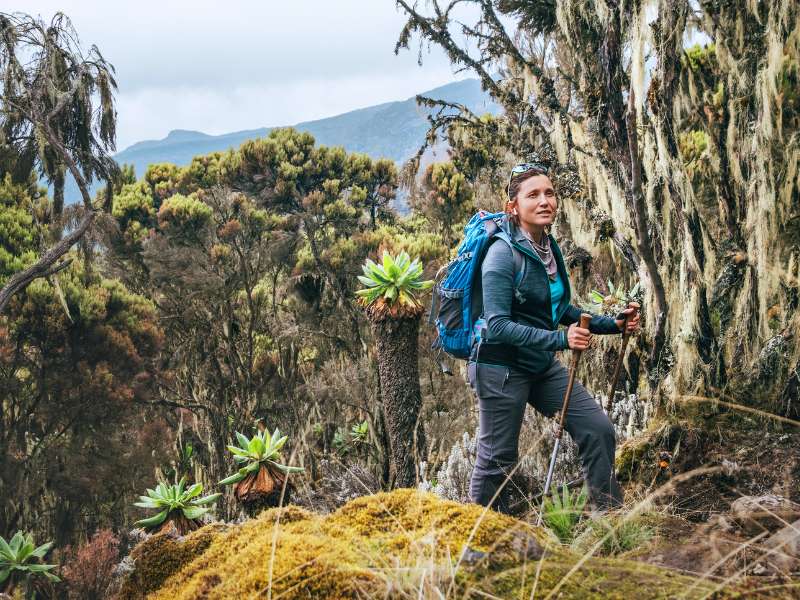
[89, 568]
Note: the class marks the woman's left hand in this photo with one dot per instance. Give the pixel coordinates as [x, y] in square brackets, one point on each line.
[633, 321]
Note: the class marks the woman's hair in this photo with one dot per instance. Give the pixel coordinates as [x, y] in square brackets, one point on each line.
[513, 190]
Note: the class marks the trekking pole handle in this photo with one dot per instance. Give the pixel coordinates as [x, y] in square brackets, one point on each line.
[625, 336]
[635, 306]
[584, 324]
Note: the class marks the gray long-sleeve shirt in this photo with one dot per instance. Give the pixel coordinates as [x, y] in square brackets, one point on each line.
[520, 327]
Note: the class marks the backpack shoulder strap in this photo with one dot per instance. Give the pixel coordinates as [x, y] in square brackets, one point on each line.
[519, 260]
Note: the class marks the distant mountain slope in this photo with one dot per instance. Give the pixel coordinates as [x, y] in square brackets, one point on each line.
[392, 130]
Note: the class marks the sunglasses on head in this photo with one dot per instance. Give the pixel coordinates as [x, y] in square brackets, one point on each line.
[524, 168]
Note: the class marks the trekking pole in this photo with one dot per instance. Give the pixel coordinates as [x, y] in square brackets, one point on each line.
[625, 337]
[573, 367]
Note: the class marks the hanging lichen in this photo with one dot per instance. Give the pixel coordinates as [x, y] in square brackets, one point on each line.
[680, 121]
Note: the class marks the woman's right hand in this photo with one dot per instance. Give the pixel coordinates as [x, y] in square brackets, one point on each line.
[578, 338]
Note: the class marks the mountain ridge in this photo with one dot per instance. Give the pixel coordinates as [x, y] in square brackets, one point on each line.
[394, 130]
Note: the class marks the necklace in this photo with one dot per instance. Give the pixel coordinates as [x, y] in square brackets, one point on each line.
[544, 252]
[543, 249]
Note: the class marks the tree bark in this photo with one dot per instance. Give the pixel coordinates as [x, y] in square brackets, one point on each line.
[396, 342]
[44, 266]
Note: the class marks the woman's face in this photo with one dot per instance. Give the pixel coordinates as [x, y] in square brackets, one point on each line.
[536, 201]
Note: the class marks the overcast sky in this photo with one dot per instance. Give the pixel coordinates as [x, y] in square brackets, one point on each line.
[241, 64]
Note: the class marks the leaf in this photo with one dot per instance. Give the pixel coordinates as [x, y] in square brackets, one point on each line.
[235, 478]
[39, 568]
[243, 440]
[153, 521]
[402, 260]
[25, 551]
[369, 266]
[161, 490]
[274, 437]
[150, 502]
[238, 451]
[193, 491]
[381, 276]
[4, 573]
[279, 444]
[387, 262]
[286, 468]
[610, 287]
[207, 499]
[596, 297]
[194, 512]
[179, 490]
[6, 550]
[16, 542]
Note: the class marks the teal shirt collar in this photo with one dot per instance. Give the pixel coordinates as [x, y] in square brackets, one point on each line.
[518, 238]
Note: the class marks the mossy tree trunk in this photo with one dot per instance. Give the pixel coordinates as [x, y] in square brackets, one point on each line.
[685, 180]
[396, 343]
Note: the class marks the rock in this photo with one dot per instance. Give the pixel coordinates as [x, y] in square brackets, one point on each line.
[784, 548]
[122, 570]
[720, 523]
[471, 557]
[526, 546]
[755, 514]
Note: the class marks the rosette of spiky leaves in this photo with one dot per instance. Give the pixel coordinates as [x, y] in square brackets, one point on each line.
[17, 558]
[175, 499]
[359, 433]
[616, 298]
[392, 286]
[262, 449]
[340, 442]
[562, 513]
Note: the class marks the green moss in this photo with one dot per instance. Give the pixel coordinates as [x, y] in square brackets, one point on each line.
[700, 57]
[385, 546]
[160, 556]
[632, 455]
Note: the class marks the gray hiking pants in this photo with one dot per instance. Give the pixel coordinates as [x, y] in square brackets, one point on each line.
[503, 393]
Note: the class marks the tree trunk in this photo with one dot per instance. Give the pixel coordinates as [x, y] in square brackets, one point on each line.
[219, 464]
[396, 342]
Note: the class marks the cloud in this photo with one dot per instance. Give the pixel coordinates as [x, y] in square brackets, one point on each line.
[159, 110]
[243, 64]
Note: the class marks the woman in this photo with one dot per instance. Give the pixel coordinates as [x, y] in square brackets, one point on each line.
[515, 363]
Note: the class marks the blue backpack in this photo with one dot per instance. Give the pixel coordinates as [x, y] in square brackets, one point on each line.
[457, 305]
